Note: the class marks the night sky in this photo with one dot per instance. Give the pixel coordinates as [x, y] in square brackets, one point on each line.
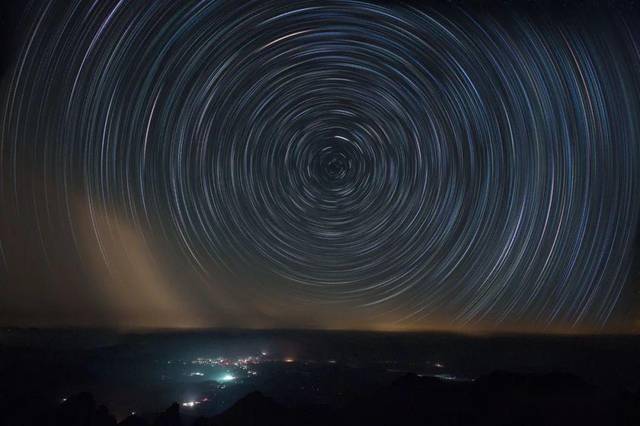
[331, 164]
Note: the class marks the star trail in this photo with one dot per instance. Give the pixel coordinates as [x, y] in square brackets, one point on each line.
[380, 162]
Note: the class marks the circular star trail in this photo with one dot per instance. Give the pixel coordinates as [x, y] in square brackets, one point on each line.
[420, 164]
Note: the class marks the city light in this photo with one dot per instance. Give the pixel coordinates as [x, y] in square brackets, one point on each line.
[227, 378]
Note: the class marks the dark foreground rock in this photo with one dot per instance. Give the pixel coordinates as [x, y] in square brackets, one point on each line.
[500, 398]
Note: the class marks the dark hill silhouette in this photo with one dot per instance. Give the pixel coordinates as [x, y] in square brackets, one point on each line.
[254, 409]
[133, 420]
[171, 417]
[500, 398]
